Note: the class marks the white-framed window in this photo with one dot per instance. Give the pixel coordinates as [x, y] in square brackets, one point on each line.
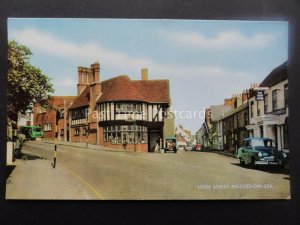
[274, 100]
[47, 126]
[77, 131]
[125, 134]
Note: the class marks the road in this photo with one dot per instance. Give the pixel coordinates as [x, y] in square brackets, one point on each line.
[185, 175]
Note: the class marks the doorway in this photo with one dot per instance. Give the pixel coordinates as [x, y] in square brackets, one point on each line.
[153, 136]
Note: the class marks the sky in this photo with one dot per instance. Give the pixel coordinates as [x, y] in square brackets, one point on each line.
[205, 61]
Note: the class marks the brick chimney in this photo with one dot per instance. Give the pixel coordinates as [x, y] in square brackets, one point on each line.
[245, 95]
[81, 79]
[227, 102]
[96, 72]
[95, 87]
[144, 73]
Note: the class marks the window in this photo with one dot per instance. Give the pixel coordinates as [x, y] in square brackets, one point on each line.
[42, 109]
[125, 134]
[77, 132]
[274, 100]
[85, 131]
[286, 90]
[79, 114]
[252, 109]
[128, 107]
[62, 111]
[47, 126]
[266, 104]
[62, 132]
[246, 121]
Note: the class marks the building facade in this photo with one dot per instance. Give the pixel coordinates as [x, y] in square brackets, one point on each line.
[268, 107]
[120, 113]
[46, 118]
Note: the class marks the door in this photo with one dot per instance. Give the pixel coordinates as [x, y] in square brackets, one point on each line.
[153, 137]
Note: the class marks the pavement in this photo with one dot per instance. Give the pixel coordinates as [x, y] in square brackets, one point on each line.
[35, 178]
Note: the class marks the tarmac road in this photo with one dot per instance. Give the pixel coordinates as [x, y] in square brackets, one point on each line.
[185, 175]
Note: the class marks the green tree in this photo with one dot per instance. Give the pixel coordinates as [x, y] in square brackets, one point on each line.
[27, 85]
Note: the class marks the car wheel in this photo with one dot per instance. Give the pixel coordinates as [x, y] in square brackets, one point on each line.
[242, 162]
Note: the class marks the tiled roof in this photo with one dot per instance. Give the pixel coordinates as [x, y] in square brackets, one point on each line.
[58, 101]
[277, 75]
[121, 88]
[218, 110]
[82, 99]
[234, 111]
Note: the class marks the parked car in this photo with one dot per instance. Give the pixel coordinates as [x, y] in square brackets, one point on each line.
[170, 145]
[188, 148]
[198, 147]
[260, 151]
[180, 147]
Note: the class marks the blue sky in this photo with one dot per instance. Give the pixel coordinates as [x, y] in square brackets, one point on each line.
[205, 61]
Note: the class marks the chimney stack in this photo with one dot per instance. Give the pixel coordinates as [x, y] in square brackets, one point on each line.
[144, 73]
[95, 73]
[95, 87]
[81, 79]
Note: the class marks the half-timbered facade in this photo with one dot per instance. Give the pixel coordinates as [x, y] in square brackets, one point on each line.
[119, 112]
[132, 113]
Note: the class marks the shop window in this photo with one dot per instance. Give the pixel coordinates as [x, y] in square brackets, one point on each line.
[127, 134]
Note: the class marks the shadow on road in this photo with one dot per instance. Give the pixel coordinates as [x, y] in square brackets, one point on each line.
[267, 169]
[9, 170]
[27, 156]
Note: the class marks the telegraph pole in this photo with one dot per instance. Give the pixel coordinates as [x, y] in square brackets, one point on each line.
[56, 137]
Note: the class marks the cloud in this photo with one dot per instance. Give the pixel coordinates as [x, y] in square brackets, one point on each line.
[224, 40]
[50, 44]
[121, 62]
[67, 82]
[47, 43]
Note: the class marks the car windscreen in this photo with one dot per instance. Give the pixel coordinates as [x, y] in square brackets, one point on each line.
[37, 129]
[263, 143]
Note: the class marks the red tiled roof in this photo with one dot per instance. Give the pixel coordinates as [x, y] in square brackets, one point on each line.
[121, 88]
[58, 101]
[276, 76]
[82, 99]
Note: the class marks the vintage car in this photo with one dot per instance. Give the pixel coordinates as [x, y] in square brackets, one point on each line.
[198, 147]
[170, 145]
[260, 151]
[188, 147]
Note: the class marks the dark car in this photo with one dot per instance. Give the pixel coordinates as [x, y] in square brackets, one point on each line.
[170, 145]
[260, 151]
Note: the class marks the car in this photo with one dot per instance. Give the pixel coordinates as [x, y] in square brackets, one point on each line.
[198, 147]
[260, 151]
[188, 148]
[170, 144]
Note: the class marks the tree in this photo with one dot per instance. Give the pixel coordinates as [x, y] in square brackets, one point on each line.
[27, 85]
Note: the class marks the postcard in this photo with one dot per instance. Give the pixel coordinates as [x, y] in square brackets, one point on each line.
[147, 109]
